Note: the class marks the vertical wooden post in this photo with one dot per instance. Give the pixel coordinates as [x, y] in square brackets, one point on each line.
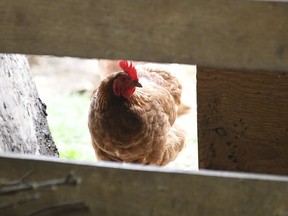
[23, 123]
[243, 120]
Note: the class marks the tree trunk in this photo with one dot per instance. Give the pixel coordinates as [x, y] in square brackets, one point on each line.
[24, 127]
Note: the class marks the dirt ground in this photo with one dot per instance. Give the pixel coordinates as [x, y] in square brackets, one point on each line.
[54, 75]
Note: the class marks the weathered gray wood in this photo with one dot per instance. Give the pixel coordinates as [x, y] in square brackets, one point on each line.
[216, 33]
[23, 123]
[242, 120]
[114, 189]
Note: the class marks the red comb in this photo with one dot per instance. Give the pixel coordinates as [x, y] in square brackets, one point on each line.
[129, 69]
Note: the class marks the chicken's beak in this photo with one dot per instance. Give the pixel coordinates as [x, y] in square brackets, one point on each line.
[137, 84]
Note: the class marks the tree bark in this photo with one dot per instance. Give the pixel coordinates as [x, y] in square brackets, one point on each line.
[24, 127]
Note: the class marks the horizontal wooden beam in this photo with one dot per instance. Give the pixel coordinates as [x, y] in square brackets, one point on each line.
[30, 186]
[215, 33]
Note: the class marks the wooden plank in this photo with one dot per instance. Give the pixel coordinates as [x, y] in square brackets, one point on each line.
[114, 189]
[242, 120]
[216, 33]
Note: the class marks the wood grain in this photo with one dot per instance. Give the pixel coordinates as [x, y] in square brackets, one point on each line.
[114, 189]
[243, 120]
[215, 33]
[23, 122]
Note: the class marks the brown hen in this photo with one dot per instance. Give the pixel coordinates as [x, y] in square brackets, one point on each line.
[136, 125]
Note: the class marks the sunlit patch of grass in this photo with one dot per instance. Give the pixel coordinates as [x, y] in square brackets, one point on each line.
[68, 119]
[76, 151]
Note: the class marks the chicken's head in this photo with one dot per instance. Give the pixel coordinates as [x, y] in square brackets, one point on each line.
[126, 82]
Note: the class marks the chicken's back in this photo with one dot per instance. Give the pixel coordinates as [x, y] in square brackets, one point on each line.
[162, 76]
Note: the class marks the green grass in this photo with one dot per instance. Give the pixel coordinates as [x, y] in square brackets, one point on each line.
[67, 118]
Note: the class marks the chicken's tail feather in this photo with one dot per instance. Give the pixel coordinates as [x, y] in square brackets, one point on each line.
[174, 144]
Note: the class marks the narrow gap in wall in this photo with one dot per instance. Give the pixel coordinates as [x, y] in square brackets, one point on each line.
[65, 85]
